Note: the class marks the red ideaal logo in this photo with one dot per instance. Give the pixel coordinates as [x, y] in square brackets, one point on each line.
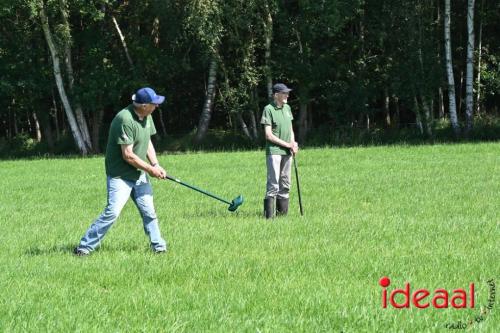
[439, 298]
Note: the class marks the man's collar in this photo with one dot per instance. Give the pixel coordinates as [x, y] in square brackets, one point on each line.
[273, 103]
[134, 113]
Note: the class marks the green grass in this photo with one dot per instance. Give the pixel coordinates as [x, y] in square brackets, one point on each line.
[427, 215]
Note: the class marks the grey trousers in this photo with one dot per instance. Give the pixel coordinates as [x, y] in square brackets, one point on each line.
[278, 176]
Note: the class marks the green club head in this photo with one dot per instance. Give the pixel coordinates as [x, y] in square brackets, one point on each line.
[238, 201]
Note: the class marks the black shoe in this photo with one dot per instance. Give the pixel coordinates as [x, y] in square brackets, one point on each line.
[281, 206]
[80, 252]
[269, 208]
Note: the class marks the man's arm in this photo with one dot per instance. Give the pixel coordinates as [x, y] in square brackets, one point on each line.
[274, 139]
[131, 158]
[151, 154]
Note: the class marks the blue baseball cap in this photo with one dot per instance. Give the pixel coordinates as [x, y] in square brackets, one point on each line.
[281, 88]
[147, 96]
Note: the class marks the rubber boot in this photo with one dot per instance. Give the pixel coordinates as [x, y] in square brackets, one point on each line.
[269, 208]
[281, 206]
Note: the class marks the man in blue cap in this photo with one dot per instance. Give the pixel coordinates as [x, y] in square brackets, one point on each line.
[280, 145]
[130, 156]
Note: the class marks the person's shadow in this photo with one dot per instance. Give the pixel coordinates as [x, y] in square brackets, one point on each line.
[34, 251]
[192, 215]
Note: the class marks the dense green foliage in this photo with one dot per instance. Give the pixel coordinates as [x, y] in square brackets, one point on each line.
[427, 215]
[353, 65]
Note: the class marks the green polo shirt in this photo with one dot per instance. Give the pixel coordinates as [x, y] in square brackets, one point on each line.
[127, 129]
[280, 119]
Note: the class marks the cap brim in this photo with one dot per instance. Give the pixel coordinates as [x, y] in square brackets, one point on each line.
[158, 100]
[283, 90]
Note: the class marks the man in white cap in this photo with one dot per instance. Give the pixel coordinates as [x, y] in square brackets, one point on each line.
[130, 156]
[280, 145]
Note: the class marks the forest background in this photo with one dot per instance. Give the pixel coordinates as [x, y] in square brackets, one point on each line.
[362, 71]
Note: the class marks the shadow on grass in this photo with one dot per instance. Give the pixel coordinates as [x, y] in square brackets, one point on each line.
[221, 215]
[34, 251]
[236, 216]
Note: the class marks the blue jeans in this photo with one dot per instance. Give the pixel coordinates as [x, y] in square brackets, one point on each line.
[119, 190]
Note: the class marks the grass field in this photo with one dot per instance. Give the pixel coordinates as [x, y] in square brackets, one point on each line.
[428, 215]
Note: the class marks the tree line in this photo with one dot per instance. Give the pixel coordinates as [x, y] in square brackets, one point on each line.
[68, 66]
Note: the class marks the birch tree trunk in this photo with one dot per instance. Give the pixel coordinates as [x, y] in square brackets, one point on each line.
[82, 147]
[155, 32]
[427, 116]
[243, 125]
[460, 89]
[206, 113]
[422, 108]
[9, 122]
[56, 115]
[441, 103]
[440, 89]
[418, 118]
[449, 70]
[80, 116]
[397, 116]
[425, 109]
[480, 51]
[14, 122]
[469, 76]
[122, 39]
[268, 31]
[387, 112]
[38, 132]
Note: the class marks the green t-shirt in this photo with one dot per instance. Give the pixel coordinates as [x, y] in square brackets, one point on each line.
[127, 129]
[280, 119]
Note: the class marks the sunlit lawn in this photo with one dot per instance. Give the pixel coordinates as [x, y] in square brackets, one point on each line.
[427, 215]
